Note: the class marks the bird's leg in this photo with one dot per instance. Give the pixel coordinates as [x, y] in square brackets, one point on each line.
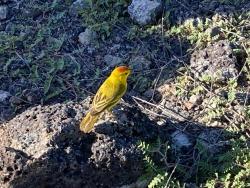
[109, 113]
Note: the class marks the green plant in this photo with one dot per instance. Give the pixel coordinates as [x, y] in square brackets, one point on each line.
[103, 15]
[234, 168]
[232, 84]
[157, 176]
[34, 53]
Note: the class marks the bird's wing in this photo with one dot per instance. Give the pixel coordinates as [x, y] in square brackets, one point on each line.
[107, 96]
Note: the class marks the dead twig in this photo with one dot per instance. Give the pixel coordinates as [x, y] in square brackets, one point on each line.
[168, 112]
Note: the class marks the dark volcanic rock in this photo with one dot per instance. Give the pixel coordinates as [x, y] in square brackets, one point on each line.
[43, 147]
[215, 61]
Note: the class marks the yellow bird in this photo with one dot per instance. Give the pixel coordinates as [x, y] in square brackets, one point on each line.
[107, 96]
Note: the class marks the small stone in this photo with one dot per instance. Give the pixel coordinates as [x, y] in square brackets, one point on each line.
[161, 122]
[145, 11]
[3, 12]
[87, 37]
[112, 60]
[215, 63]
[214, 124]
[180, 140]
[149, 93]
[195, 100]
[4, 95]
[188, 105]
[215, 31]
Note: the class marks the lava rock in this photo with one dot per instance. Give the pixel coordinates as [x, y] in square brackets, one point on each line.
[43, 147]
[87, 37]
[215, 31]
[180, 140]
[195, 100]
[216, 62]
[12, 163]
[145, 11]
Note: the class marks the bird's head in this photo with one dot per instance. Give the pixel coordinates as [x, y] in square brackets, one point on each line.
[122, 72]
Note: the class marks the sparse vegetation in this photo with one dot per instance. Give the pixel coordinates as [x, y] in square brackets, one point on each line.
[103, 15]
[230, 167]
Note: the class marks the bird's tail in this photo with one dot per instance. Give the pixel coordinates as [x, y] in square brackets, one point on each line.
[88, 122]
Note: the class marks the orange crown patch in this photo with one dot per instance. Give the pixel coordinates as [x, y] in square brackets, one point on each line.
[122, 69]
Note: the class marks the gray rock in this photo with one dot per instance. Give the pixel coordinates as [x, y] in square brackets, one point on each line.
[43, 147]
[12, 162]
[112, 61]
[87, 37]
[3, 12]
[215, 62]
[195, 99]
[4, 95]
[180, 140]
[145, 11]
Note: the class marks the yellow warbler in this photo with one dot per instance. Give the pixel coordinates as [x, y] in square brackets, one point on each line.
[107, 96]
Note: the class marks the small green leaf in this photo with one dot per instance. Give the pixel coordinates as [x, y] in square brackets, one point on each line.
[47, 84]
[55, 92]
[60, 64]
[34, 72]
